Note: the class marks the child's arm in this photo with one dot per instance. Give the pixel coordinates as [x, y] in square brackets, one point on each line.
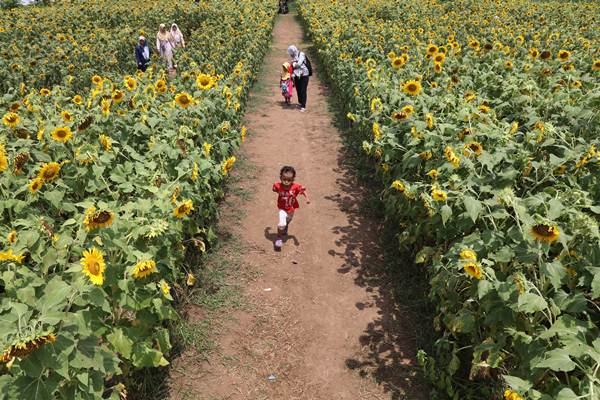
[303, 192]
[275, 188]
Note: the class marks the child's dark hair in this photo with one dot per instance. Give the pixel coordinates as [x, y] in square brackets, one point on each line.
[287, 168]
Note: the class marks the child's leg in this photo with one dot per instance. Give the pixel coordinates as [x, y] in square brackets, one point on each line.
[288, 220]
[281, 228]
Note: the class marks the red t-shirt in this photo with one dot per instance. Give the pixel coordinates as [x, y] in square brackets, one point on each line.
[288, 198]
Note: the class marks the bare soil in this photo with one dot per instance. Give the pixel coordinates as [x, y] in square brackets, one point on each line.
[321, 318]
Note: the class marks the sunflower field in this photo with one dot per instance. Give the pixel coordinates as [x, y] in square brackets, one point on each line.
[482, 120]
[109, 181]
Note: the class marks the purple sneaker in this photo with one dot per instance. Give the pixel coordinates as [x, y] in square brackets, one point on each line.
[278, 244]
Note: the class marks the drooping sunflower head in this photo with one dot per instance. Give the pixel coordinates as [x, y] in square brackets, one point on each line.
[545, 233]
[3, 159]
[398, 185]
[472, 148]
[62, 134]
[399, 116]
[468, 254]
[438, 195]
[376, 105]
[12, 237]
[183, 100]
[49, 171]
[24, 347]
[596, 65]
[426, 155]
[412, 87]
[228, 165]
[19, 162]
[106, 142]
[93, 265]
[144, 268]
[473, 269]
[437, 67]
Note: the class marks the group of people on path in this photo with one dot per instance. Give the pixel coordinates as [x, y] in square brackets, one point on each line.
[295, 74]
[167, 40]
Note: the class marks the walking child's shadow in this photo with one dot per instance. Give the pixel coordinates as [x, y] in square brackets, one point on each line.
[272, 236]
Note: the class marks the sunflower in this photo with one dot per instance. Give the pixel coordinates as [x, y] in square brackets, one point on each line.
[398, 62]
[106, 142]
[11, 119]
[514, 127]
[49, 171]
[97, 219]
[62, 134]
[426, 155]
[165, 288]
[438, 195]
[408, 110]
[596, 65]
[66, 116]
[399, 116]
[12, 237]
[183, 209]
[351, 117]
[576, 84]
[472, 148]
[35, 185]
[130, 83]
[468, 254]
[412, 87]
[25, 347]
[204, 81]
[508, 65]
[439, 58]
[568, 67]
[160, 86]
[545, 233]
[484, 108]
[474, 44]
[9, 256]
[545, 55]
[534, 53]
[433, 173]
[228, 165]
[398, 185]
[206, 149]
[451, 157]
[429, 120]
[19, 162]
[470, 96]
[117, 96]
[195, 172]
[376, 130]
[560, 170]
[437, 67]
[93, 265]
[144, 268]
[97, 80]
[183, 99]
[564, 55]
[105, 104]
[432, 49]
[190, 280]
[474, 270]
[45, 92]
[3, 159]
[376, 105]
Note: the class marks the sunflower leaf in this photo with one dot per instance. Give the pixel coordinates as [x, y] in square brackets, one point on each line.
[473, 207]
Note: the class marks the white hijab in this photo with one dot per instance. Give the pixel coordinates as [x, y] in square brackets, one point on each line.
[177, 35]
[292, 51]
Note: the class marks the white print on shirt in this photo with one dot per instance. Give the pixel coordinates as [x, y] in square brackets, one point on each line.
[287, 197]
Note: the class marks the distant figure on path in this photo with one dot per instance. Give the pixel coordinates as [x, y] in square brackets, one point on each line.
[285, 82]
[300, 74]
[287, 201]
[165, 44]
[142, 54]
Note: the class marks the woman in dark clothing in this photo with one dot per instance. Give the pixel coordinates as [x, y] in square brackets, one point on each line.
[142, 54]
[300, 74]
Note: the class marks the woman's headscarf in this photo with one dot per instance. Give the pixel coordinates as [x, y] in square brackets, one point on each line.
[177, 35]
[166, 35]
[292, 51]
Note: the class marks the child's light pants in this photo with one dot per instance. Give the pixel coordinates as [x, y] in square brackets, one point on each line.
[284, 218]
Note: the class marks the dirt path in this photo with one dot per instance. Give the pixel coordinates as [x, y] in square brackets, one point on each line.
[326, 328]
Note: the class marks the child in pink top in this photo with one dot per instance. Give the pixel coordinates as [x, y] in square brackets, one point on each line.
[287, 201]
[286, 83]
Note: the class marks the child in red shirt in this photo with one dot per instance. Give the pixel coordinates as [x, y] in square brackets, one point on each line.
[287, 201]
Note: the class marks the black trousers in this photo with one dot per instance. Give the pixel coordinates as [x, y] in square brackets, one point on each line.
[301, 87]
